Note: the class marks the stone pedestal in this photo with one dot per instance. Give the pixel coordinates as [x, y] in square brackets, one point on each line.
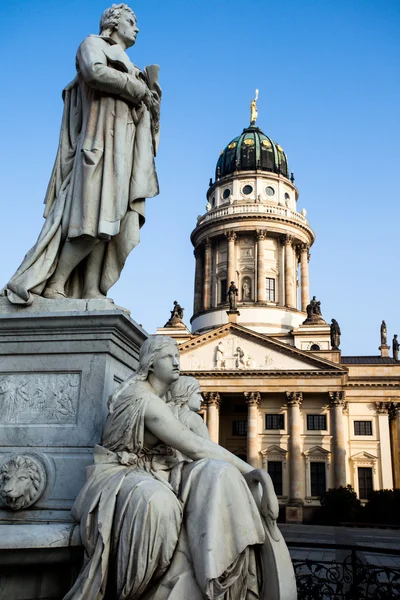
[59, 362]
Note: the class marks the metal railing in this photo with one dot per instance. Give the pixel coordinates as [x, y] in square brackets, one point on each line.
[352, 578]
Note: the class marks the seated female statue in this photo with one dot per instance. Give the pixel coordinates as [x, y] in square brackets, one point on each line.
[166, 514]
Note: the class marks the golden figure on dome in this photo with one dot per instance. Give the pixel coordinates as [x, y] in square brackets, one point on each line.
[253, 110]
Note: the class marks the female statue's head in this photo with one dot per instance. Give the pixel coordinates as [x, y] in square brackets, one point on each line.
[186, 390]
[159, 354]
[119, 22]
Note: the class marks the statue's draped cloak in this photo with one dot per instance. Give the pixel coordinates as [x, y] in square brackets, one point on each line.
[104, 170]
[202, 545]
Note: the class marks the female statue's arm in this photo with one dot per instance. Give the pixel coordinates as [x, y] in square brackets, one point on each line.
[95, 71]
[160, 421]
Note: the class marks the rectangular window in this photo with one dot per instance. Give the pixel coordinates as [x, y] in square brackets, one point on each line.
[275, 471]
[362, 427]
[239, 427]
[222, 289]
[270, 286]
[316, 422]
[318, 478]
[365, 482]
[274, 421]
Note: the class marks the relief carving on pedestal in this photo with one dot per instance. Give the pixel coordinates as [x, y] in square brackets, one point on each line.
[39, 399]
[23, 480]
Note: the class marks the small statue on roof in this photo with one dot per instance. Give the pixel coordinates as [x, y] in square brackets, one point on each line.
[335, 335]
[314, 314]
[396, 347]
[176, 315]
[383, 334]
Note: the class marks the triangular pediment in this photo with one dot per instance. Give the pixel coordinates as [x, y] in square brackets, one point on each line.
[316, 451]
[363, 456]
[233, 347]
[274, 450]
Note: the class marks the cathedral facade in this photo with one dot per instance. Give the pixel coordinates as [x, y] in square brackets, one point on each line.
[277, 390]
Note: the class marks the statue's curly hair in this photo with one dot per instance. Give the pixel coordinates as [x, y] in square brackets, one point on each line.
[111, 16]
[181, 390]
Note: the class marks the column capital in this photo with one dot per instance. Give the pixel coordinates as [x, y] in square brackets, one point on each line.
[304, 248]
[294, 398]
[394, 411]
[231, 236]
[287, 239]
[382, 408]
[337, 399]
[252, 398]
[197, 252]
[261, 234]
[212, 399]
[207, 242]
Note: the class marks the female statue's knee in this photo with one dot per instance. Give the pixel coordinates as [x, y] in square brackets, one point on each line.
[161, 502]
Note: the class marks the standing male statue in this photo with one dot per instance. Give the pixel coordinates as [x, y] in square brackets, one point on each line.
[335, 335]
[232, 296]
[104, 170]
[395, 347]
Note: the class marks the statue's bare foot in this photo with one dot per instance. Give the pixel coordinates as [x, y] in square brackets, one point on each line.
[53, 294]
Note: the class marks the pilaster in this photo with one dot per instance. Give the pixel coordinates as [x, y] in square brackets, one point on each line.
[382, 411]
[287, 241]
[304, 279]
[336, 405]
[253, 402]
[231, 237]
[207, 275]
[294, 401]
[198, 281]
[213, 402]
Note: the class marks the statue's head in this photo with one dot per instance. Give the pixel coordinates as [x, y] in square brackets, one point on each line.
[22, 481]
[186, 390]
[119, 20]
[159, 354]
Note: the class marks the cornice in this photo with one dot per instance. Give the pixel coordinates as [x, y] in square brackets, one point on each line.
[240, 218]
[239, 374]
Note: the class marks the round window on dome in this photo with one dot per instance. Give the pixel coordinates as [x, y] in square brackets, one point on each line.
[247, 189]
[226, 193]
[270, 191]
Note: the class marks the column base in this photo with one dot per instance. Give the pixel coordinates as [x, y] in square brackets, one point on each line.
[294, 513]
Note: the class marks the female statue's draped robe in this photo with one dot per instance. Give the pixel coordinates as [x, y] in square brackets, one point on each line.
[103, 172]
[157, 527]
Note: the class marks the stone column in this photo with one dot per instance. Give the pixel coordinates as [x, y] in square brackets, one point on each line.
[305, 288]
[336, 405]
[207, 275]
[261, 287]
[382, 410]
[213, 402]
[294, 400]
[253, 402]
[394, 421]
[289, 271]
[198, 281]
[231, 237]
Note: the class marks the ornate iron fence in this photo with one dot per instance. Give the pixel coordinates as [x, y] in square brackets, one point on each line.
[353, 578]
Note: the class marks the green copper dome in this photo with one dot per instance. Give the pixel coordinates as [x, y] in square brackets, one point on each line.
[252, 151]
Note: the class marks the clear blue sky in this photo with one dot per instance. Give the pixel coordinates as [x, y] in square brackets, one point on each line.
[329, 81]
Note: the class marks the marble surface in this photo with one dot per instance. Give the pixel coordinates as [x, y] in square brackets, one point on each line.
[199, 510]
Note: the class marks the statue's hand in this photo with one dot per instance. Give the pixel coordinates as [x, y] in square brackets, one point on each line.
[267, 502]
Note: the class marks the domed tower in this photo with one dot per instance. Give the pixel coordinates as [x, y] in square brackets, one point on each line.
[253, 235]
